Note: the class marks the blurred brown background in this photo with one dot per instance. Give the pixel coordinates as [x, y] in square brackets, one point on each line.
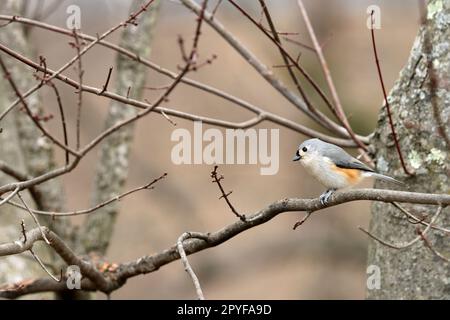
[324, 258]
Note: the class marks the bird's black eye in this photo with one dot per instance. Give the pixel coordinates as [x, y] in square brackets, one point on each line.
[304, 149]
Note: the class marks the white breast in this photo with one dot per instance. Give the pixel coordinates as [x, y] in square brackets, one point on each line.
[321, 169]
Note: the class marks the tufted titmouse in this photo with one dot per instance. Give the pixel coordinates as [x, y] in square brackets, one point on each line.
[333, 166]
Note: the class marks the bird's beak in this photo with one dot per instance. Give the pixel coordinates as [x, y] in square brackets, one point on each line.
[296, 158]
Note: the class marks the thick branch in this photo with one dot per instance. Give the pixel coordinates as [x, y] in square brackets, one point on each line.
[117, 278]
[60, 248]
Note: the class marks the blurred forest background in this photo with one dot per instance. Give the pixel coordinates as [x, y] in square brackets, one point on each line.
[326, 257]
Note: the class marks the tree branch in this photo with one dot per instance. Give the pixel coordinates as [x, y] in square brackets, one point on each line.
[147, 186]
[187, 266]
[116, 278]
[388, 106]
[262, 114]
[263, 70]
[338, 110]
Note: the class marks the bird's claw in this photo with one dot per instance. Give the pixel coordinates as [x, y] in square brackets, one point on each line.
[324, 197]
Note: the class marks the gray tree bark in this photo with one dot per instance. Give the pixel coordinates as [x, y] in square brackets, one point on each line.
[420, 104]
[112, 170]
[23, 146]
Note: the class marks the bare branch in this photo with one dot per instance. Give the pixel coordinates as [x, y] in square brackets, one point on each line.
[34, 218]
[407, 244]
[148, 186]
[10, 196]
[105, 86]
[13, 172]
[262, 114]
[62, 116]
[216, 179]
[36, 257]
[131, 19]
[285, 58]
[77, 46]
[300, 44]
[264, 72]
[417, 220]
[30, 114]
[184, 259]
[63, 251]
[117, 277]
[388, 107]
[430, 246]
[299, 223]
[338, 109]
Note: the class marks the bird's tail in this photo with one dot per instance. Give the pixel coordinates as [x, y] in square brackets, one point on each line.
[386, 178]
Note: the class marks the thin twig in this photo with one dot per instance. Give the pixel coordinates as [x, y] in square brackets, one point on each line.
[105, 86]
[285, 58]
[13, 172]
[147, 186]
[30, 114]
[156, 88]
[168, 118]
[63, 119]
[300, 44]
[13, 18]
[388, 107]
[10, 196]
[416, 220]
[216, 179]
[429, 246]
[338, 110]
[35, 256]
[187, 266]
[299, 223]
[34, 218]
[213, 12]
[77, 46]
[24, 231]
[407, 244]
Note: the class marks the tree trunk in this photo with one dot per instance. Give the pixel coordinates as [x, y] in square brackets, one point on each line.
[420, 106]
[112, 170]
[24, 148]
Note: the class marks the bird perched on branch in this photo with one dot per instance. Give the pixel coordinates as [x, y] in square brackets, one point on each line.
[333, 166]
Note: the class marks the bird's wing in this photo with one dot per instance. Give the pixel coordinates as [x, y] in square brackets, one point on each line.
[344, 160]
[353, 164]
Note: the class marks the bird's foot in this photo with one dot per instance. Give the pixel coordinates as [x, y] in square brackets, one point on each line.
[324, 197]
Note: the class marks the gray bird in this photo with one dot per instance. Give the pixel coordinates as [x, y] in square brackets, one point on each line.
[333, 166]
